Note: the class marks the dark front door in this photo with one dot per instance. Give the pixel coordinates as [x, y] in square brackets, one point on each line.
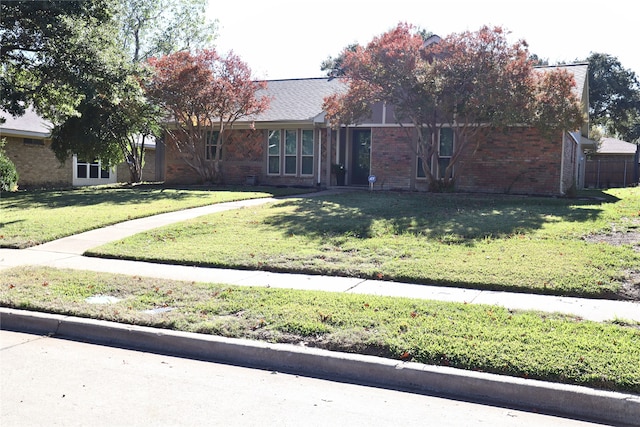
[360, 156]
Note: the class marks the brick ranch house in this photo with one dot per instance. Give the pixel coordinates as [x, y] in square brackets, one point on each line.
[29, 148]
[292, 144]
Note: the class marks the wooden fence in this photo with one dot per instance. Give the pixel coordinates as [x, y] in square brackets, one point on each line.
[608, 173]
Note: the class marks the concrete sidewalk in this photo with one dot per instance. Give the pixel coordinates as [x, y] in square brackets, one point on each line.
[578, 402]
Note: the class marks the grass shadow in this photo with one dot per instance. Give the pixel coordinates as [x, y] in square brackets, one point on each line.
[453, 218]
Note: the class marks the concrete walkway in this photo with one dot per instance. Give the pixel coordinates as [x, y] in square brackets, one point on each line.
[67, 253]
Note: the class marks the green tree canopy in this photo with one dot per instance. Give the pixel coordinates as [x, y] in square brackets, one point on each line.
[614, 97]
[151, 28]
[51, 52]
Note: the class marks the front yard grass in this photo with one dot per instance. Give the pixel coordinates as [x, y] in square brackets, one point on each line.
[485, 338]
[29, 218]
[523, 244]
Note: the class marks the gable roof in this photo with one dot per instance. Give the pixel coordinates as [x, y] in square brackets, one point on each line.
[297, 100]
[300, 100]
[29, 125]
[579, 72]
[616, 146]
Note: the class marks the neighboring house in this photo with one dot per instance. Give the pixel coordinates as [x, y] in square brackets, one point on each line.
[29, 148]
[613, 164]
[292, 144]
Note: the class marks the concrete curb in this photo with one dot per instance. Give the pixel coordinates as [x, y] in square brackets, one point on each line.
[558, 399]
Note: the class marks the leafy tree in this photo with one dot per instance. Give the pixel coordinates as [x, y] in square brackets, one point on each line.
[205, 93]
[115, 127]
[150, 28]
[469, 81]
[614, 97]
[49, 51]
[110, 128]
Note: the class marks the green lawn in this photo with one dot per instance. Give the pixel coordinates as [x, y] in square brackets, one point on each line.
[512, 243]
[477, 337]
[28, 218]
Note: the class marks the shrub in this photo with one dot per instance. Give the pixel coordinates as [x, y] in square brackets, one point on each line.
[8, 172]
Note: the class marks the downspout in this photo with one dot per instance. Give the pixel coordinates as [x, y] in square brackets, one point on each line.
[636, 169]
[327, 167]
[562, 160]
[319, 157]
[338, 145]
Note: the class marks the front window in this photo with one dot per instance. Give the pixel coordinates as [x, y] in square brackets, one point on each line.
[211, 145]
[420, 170]
[274, 152]
[92, 170]
[290, 152]
[445, 150]
[307, 152]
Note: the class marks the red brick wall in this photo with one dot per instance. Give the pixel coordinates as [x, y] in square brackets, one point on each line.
[176, 170]
[518, 161]
[393, 160]
[244, 155]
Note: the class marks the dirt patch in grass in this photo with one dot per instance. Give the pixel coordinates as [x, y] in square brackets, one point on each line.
[631, 284]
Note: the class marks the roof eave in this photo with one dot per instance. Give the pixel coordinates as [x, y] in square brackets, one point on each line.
[24, 133]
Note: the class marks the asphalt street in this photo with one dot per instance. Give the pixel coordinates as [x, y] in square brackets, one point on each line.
[50, 381]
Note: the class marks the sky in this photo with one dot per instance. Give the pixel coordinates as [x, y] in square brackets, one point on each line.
[283, 39]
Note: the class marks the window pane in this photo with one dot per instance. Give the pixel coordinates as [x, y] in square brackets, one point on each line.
[446, 142]
[82, 170]
[274, 164]
[104, 173]
[421, 173]
[290, 142]
[290, 165]
[211, 145]
[443, 163]
[307, 143]
[274, 142]
[93, 170]
[307, 165]
[211, 152]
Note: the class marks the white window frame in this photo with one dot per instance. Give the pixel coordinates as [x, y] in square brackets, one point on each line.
[308, 157]
[286, 153]
[441, 169]
[290, 136]
[80, 181]
[274, 151]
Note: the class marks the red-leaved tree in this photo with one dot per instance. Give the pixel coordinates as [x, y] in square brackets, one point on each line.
[471, 81]
[205, 93]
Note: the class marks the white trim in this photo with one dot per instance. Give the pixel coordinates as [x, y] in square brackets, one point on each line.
[82, 182]
[319, 156]
[562, 160]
